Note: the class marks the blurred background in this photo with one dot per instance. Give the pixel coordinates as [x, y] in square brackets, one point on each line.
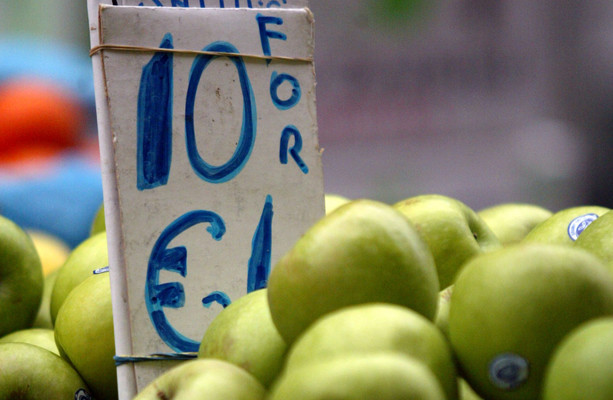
[485, 101]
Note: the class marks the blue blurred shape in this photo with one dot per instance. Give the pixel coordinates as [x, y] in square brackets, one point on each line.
[61, 199]
[67, 65]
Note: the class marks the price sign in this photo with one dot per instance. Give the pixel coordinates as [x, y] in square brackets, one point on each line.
[210, 160]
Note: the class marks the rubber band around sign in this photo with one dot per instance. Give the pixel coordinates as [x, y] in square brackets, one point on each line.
[120, 360]
[122, 47]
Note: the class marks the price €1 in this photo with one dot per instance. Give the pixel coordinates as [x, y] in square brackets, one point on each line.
[154, 151]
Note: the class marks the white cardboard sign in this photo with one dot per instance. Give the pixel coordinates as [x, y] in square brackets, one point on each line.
[210, 161]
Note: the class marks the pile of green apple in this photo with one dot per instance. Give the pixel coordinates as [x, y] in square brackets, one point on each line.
[423, 299]
[56, 325]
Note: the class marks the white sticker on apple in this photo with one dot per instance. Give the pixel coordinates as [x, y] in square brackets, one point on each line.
[81, 394]
[577, 225]
[508, 371]
[101, 270]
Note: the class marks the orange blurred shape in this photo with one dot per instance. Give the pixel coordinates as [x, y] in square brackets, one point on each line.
[29, 159]
[37, 115]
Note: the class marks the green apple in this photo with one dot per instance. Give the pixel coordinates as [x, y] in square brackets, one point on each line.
[511, 307]
[99, 223]
[42, 337]
[565, 226]
[363, 376]
[365, 251]
[204, 379]
[598, 237]
[43, 318]
[581, 366]
[511, 222]
[453, 231]
[84, 335]
[442, 315]
[333, 201]
[89, 255]
[466, 392]
[374, 328]
[243, 333]
[29, 372]
[21, 278]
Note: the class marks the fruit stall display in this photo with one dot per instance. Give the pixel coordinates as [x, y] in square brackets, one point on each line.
[426, 298]
[422, 299]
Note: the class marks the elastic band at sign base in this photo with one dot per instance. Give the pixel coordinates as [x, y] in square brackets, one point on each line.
[120, 360]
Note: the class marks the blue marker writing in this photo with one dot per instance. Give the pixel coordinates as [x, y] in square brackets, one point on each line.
[237, 4]
[154, 120]
[216, 297]
[227, 171]
[271, 3]
[275, 81]
[288, 132]
[213, 3]
[265, 34]
[157, 295]
[259, 263]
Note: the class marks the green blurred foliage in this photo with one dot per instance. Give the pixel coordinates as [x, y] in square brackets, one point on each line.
[398, 11]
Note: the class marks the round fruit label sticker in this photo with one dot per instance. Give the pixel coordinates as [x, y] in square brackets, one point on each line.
[102, 270]
[508, 371]
[81, 394]
[577, 225]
